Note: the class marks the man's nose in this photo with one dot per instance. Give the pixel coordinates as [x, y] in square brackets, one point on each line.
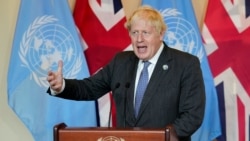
[140, 37]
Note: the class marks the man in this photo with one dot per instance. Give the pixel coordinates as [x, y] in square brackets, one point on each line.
[174, 95]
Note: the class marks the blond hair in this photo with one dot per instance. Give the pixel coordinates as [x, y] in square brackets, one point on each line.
[149, 14]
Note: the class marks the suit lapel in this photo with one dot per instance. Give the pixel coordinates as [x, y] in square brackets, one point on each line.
[158, 73]
[130, 92]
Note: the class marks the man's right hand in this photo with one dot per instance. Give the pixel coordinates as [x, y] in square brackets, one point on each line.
[55, 79]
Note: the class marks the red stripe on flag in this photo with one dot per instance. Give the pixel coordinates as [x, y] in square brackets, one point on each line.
[102, 44]
[233, 50]
[225, 24]
[113, 111]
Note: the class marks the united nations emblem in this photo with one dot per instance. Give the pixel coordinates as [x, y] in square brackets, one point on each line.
[181, 34]
[110, 138]
[43, 44]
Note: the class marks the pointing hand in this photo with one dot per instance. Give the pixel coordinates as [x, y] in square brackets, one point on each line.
[55, 79]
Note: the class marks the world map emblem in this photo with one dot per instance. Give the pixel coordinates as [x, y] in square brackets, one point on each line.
[110, 138]
[43, 44]
[181, 34]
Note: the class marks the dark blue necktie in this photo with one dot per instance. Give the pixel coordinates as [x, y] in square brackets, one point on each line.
[141, 87]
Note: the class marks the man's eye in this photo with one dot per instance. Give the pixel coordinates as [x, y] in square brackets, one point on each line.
[135, 32]
[145, 33]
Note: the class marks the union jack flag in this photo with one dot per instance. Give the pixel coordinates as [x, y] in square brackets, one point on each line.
[101, 24]
[226, 35]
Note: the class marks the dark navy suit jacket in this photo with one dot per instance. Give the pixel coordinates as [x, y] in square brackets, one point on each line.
[175, 95]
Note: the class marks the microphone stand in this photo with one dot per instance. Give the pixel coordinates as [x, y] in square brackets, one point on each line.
[111, 104]
[125, 102]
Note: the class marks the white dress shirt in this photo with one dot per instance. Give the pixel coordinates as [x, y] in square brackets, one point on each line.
[151, 67]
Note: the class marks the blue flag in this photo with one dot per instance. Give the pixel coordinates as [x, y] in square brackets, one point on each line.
[46, 33]
[183, 34]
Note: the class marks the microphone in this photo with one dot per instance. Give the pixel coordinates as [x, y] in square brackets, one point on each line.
[127, 85]
[117, 85]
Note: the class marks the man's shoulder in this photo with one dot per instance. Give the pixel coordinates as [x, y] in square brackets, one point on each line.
[179, 53]
[125, 55]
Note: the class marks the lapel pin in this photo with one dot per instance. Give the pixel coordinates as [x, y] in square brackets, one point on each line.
[165, 67]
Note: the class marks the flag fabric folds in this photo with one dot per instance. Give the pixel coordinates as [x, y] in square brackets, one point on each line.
[183, 34]
[45, 33]
[101, 24]
[227, 44]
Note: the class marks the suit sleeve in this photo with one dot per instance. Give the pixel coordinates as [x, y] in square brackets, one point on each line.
[90, 88]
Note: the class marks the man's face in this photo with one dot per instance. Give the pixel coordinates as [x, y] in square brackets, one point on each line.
[145, 39]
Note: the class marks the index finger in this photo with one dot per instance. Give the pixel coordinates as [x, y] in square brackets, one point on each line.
[60, 66]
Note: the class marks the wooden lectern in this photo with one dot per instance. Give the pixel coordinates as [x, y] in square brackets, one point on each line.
[64, 133]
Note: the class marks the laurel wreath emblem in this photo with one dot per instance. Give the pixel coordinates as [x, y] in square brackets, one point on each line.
[110, 138]
[174, 12]
[24, 47]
